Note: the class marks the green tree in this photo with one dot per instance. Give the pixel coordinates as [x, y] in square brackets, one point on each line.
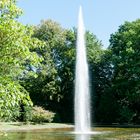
[107, 107]
[54, 86]
[15, 51]
[124, 45]
[54, 76]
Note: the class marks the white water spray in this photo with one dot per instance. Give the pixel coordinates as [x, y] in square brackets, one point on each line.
[82, 93]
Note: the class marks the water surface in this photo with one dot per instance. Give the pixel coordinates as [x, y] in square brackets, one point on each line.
[99, 134]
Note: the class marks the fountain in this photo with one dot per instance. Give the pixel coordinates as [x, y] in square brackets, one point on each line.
[82, 92]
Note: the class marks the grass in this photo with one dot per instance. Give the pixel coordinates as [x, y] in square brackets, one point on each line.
[20, 126]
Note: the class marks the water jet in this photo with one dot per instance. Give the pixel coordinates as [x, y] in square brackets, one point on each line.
[82, 92]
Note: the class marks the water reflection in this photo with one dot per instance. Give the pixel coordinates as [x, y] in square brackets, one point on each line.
[106, 133]
[82, 137]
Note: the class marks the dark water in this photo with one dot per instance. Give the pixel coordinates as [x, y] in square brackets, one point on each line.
[99, 134]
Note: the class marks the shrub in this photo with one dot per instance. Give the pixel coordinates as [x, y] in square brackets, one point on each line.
[40, 115]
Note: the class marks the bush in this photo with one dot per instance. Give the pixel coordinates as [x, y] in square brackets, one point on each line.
[40, 115]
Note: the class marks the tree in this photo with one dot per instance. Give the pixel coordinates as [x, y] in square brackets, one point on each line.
[54, 76]
[15, 51]
[106, 105]
[124, 45]
[56, 88]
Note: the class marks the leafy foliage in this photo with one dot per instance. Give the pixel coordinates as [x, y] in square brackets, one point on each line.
[15, 45]
[126, 84]
[40, 115]
[54, 86]
[38, 63]
[124, 81]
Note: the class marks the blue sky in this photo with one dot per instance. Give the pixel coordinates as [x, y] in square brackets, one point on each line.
[102, 17]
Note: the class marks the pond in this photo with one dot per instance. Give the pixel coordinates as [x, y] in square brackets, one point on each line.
[100, 133]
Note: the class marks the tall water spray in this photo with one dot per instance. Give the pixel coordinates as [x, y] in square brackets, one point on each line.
[82, 92]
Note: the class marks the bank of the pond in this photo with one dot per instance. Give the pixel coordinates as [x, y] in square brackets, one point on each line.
[19, 126]
[117, 125]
